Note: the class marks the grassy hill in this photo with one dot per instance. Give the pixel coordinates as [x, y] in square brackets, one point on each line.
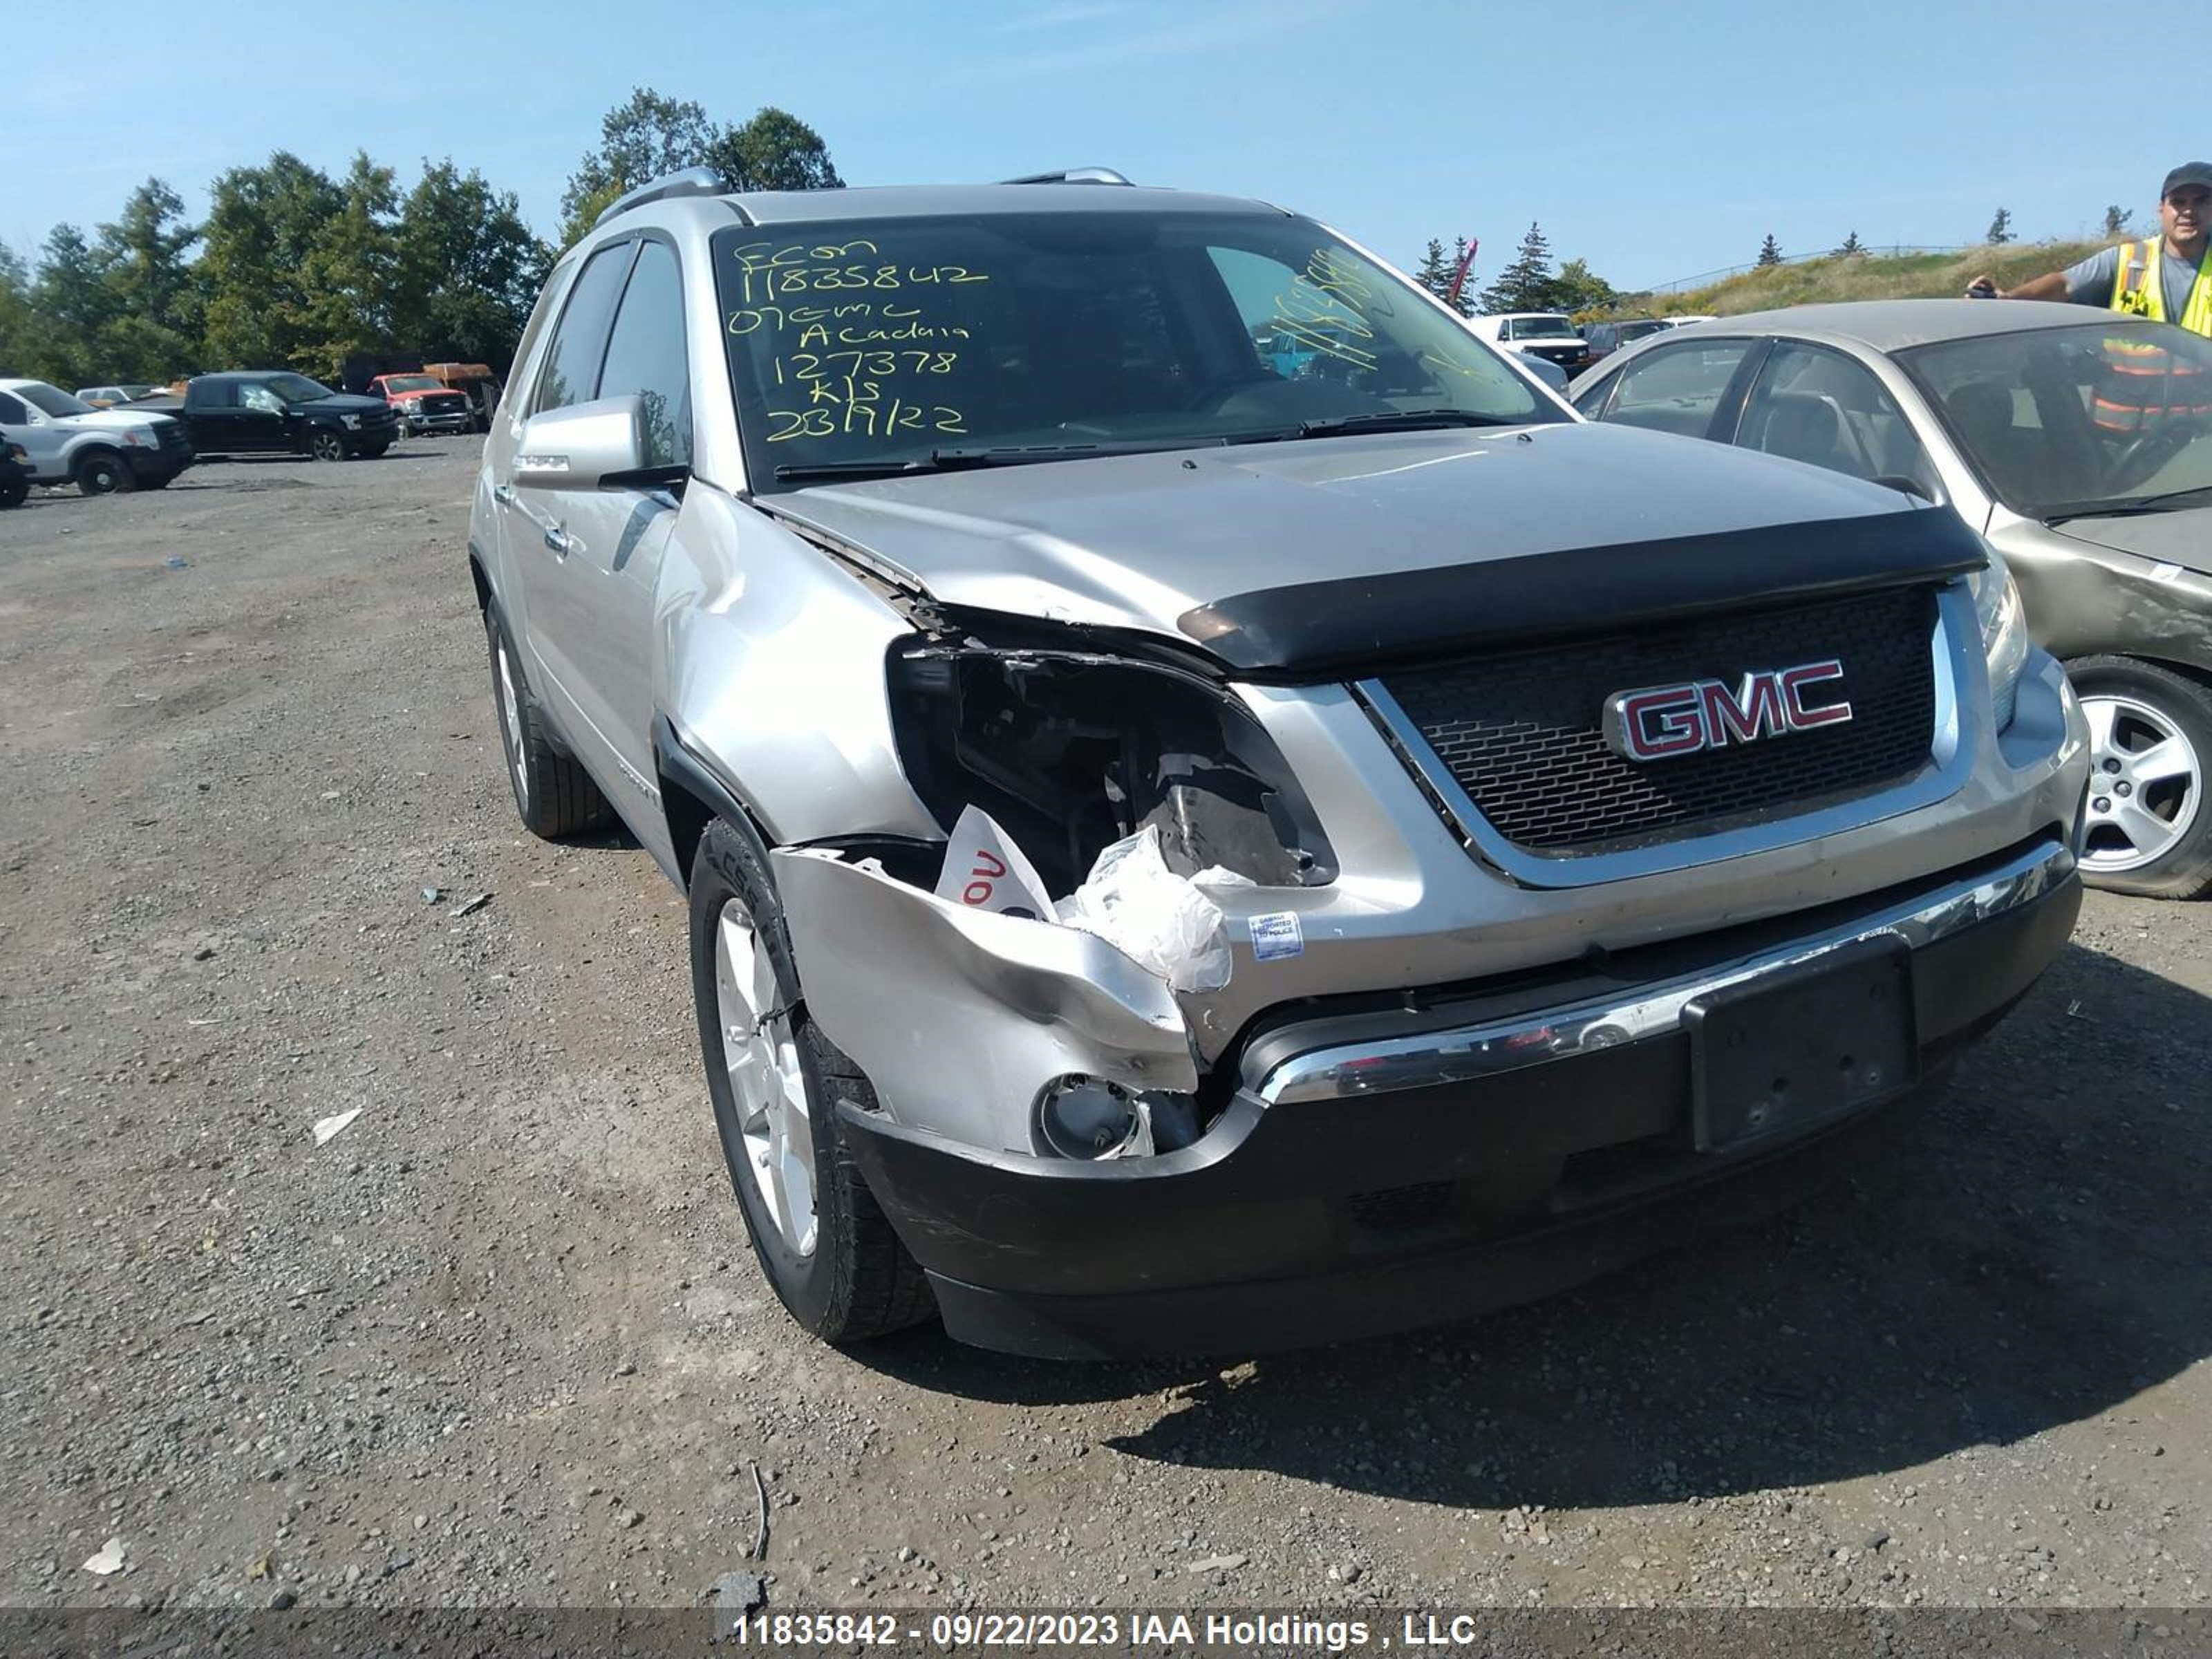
[1865, 276]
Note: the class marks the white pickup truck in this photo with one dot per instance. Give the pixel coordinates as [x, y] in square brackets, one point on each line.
[100, 451]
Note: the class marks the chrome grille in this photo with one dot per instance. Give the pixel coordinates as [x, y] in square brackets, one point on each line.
[1521, 733]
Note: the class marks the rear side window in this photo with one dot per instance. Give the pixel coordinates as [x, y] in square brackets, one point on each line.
[572, 363]
[1678, 388]
[645, 355]
[217, 394]
[1820, 407]
[12, 412]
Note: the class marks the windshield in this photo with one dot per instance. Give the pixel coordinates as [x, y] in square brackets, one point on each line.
[51, 399]
[413, 383]
[1544, 328]
[296, 388]
[885, 344]
[2100, 417]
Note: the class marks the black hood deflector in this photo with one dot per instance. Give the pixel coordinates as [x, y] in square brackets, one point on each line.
[1361, 622]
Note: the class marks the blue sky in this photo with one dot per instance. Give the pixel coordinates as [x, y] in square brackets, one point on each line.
[1655, 142]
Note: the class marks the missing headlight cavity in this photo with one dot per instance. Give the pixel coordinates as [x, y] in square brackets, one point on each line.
[1070, 751]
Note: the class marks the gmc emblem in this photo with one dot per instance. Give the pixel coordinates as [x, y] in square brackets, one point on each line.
[1659, 722]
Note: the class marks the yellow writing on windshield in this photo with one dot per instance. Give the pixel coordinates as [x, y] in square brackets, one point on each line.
[1324, 310]
[833, 364]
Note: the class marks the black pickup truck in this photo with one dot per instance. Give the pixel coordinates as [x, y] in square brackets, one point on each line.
[275, 411]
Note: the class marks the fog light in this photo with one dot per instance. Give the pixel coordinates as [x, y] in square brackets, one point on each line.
[1083, 1117]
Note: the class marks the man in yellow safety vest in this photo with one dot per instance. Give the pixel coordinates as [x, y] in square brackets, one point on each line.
[2165, 278]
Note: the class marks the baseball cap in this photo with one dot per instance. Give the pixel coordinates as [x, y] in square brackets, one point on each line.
[2188, 172]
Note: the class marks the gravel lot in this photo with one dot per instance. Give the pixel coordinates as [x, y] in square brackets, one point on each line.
[500, 1340]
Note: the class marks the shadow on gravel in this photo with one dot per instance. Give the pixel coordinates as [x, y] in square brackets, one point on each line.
[2031, 1253]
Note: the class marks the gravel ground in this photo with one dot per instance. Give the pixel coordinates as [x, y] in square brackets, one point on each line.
[499, 1341]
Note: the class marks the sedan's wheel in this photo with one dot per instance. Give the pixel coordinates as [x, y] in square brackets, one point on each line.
[553, 793]
[776, 1082]
[328, 445]
[2150, 737]
[102, 473]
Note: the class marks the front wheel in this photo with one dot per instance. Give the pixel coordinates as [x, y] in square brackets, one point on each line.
[2150, 739]
[102, 472]
[328, 446]
[776, 1081]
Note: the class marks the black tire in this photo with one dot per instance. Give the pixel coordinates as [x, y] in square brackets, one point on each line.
[553, 795]
[102, 472]
[2184, 869]
[13, 494]
[328, 444]
[858, 1281]
[157, 480]
[372, 451]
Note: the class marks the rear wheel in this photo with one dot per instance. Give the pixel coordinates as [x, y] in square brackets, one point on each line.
[15, 494]
[102, 472]
[776, 1081]
[328, 446]
[2150, 740]
[553, 793]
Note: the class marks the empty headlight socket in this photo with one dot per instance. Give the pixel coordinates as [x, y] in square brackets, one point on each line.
[1070, 750]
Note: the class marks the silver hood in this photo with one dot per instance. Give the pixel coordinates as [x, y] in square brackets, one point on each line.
[1141, 541]
[2182, 537]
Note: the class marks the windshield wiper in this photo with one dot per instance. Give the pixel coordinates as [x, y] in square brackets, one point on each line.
[1396, 420]
[957, 460]
[2166, 501]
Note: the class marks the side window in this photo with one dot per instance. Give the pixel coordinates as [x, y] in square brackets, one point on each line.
[214, 394]
[261, 398]
[1820, 407]
[1589, 403]
[12, 412]
[1677, 388]
[1508, 329]
[572, 361]
[645, 354]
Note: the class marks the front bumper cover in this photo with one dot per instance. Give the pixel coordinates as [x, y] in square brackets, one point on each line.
[1382, 1169]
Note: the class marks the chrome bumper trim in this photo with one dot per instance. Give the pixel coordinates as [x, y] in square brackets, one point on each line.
[1475, 1052]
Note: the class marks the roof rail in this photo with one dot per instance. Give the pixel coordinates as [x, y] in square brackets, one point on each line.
[692, 181]
[1071, 176]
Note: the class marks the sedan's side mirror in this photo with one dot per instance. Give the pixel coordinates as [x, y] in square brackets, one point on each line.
[1906, 486]
[582, 446]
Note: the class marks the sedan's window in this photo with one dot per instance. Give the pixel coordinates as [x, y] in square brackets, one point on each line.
[2110, 415]
[572, 363]
[1818, 406]
[645, 355]
[1678, 388]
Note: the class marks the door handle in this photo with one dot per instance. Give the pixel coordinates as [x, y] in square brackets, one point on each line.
[559, 539]
[503, 494]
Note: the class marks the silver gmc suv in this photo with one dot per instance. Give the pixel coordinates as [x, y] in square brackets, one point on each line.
[1218, 815]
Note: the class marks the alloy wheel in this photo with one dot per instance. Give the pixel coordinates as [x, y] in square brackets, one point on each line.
[2146, 783]
[768, 1087]
[511, 712]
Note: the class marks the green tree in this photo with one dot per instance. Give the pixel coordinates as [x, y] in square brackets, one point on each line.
[2000, 230]
[1770, 252]
[22, 345]
[469, 270]
[71, 304]
[153, 331]
[1440, 271]
[647, 136]
[1527, 284]
[264, 225]
[1577, 288]
[350, 273]
[1852, 247]
[2116, 220]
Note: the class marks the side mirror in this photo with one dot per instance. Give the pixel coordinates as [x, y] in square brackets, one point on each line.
[580, 447]
[1912, 487]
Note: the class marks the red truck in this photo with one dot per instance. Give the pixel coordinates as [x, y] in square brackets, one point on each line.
[423, 403]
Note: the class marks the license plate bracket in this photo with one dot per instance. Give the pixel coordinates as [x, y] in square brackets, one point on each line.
[1783, 1052]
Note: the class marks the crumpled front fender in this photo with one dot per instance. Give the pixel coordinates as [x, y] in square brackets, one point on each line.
[960, 1018]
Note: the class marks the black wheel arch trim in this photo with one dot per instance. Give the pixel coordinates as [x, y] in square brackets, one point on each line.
[684, 775]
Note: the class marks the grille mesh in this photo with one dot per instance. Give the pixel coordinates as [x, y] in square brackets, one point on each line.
[1521, 732]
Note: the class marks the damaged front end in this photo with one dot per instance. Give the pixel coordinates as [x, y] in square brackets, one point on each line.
[1005, 1026]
